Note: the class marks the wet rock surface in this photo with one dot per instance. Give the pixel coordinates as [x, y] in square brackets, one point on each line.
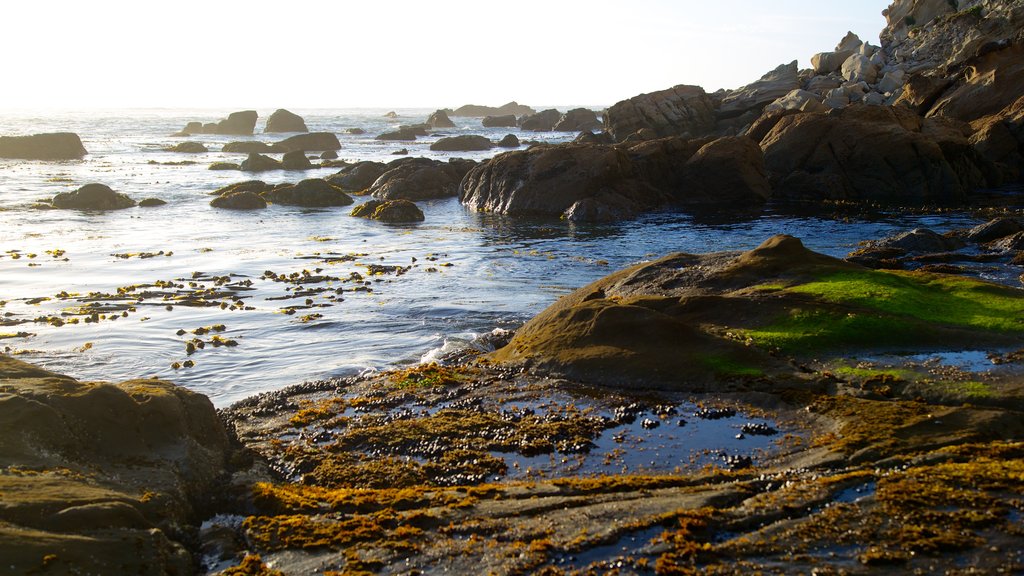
[93, 197]
[56, 146]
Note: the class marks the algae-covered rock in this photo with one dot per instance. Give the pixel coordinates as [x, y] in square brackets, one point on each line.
[312, 192]
[393, 211]
[93, 197]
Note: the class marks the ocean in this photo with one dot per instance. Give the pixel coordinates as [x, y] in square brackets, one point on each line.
[201, 272]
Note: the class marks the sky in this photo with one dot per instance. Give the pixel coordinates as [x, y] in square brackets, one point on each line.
[401, 53]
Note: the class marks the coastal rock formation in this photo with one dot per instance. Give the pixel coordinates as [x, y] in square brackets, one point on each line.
[55, 146]
[403, 134]
[248, 147]
[462, 143]
[419, 179]
[391, 211]
[475, 111]
[239, 201]
[543, 121]
[678, 111]
[113, 473]
[756, 95]
[225, 166]
[93, 197]
[310, 193]
[256, 186]
[260, 163]
[578, 120]
[295, 160]
[440, 119]
[506, 121]
[509, 141]
[314, 141]
[284, 121]
[725, 171]
[188, 148]
[236, 124]
[870, 153]
[358, 176]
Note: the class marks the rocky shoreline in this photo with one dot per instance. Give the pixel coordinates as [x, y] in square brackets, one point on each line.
[769, 411]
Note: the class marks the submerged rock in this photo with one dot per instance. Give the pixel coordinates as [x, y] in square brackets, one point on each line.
[93, 197]
[358, 176]
[188, 148]
[239, 201]
[312, 192]
[152, 202]
[55, 146]
[284, 121]
[248, 147]
[462, 143]
[392, 211]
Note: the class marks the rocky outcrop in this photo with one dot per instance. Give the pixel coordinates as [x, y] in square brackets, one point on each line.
[296, 160]
[679, 111]
[358, 176]
[999, 138]
[475, 111]
[188, 148]
[236, 124]
[113, 473]
[55, 146]
[284, 121]
[391, 211]
[310, 193]
[462, 143]
[248, 147]
[755, 96]
[509, 141]
[440, 119]
[800, 100]
[260, 163]
[871, 153]
[728, 171]
[578, 120]
[506, 121]
[403, 134]
[239, 201]
[543, 121]
[314, 141]
[93, 197]
[417, 179]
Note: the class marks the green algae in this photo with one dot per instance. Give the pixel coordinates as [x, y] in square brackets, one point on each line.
[726, 366]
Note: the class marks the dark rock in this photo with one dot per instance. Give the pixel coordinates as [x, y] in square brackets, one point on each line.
[55, 146]
[512, 108]
[729, 171]
[225, 166]
[509, 141]
[239, 201]
[462, 143]
[439, 119]
[188, 148]
[355, 131]
[402, 134]
[416, 129]
[284, 121]
[919, 241]
[401, 152]
[542, 121]
[260, 163]
[237, 123]
[151, 202]
[306, 142]
[256, 186]
[1012, 243]
[588, 137]
[191, 128]
[296, 160]
[93, 197]
[578, 120]
[248, 147]
[678, 111]
[506, 121]
[392, 211]
[417, 179]
[391, 114]
[358, 176]
[312, 193]
[329, 155]
[994, 230]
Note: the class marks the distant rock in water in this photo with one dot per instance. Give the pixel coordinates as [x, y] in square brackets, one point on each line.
[355, 131]
[462, 143]
[93, 197]
[473, 110]
[329, 155]
[239, 201]
[53, 146]
[188, 148]
[403, 134]
[509, 141]
[296, 160]
[311, 193]
[679, 111]
[152, 202]
[392, 211]
[313, 141]
[284, 121]
[507, 121]
[391, 114]
[440, 119]
[419, 179]
[578, 120]
[358, 176]
[224, 166]
[401, 152]
[260, 163]
[236, 124]
[543, 121]
[248, 147]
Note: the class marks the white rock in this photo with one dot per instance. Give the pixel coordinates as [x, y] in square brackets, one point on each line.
[829, 62]
[849, 42]
[858, 68]
[801, 100]
[867, 49]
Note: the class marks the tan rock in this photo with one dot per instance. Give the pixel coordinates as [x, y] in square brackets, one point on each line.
[677, 111]
[773, 85]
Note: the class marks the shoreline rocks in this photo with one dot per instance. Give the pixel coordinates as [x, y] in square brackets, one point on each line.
[236, 124]
[53, 146]
[475, 111]
[93, 197]
[284, 121]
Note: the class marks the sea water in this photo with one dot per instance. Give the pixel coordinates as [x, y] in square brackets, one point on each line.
[468, 273]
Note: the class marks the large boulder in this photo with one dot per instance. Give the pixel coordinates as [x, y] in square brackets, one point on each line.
[509, 141]
[239, 201]
[859, 68]
[801, 100]
[310, 193]
[284, 121]
[188, 148]
[728, 171]
[260, 163]
[391, 211]
[755, 96]
[506, 121]
[870, 153]
[513, 108]
[237, 123]
[440, 119]
[678, 111]
[543, 121]
[828, 62]
[317, 141]
[578, 120]
[462, 143]
[358, 176]
[418, 179]
[119, 472]
[93, 197]
[256, 186]
[296, 160]
[403, 134]
[55, 146]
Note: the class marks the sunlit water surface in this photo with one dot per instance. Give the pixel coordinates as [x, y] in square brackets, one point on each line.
[491, 272]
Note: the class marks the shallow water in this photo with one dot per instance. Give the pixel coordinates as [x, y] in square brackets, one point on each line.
[502, 270]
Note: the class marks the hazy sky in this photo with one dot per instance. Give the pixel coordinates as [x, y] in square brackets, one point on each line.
[402, 53]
